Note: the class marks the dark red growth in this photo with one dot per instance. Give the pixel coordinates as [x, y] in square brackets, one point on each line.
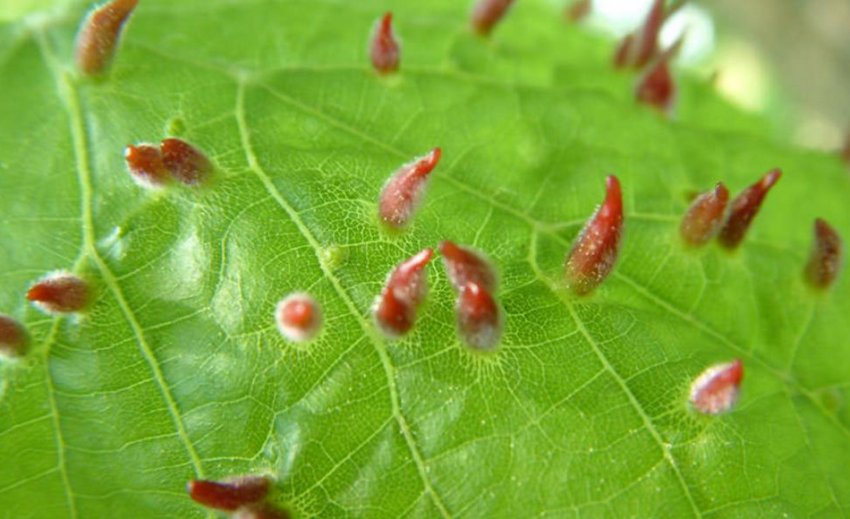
[144, 161]
[716, 389]
[384, 47]
[594, 252]
[13, 337]
[261, 511]
[298, 317]
[639, 47]
[656, 86]
[99, 33]
[229, 495]
[487, 13]
[185, 162]
[60, 293]
[578, 10]
[464, 265]
[403, 192]
[705, 216]
[479, 319]
[406, 289]
[744, 208]
[826, 256]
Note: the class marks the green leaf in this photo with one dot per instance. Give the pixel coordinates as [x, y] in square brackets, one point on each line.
[178, 372]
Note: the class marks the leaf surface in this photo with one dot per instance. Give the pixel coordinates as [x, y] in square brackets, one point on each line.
[179, 372]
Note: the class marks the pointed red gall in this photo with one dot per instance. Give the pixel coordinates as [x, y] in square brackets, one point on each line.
[464, 265]
[384, 48]
[487, 13]
[715, 390]
[298, 317]
[99, 34]
[639, 47]
[578, 10]
[406, 289]
[60, 292]
[403, 192]
[744, 208]
[479, 319]
[231, 494]
[261, 511]
[656, 86]
[826, 256]
[13, 337]
[705, 216]
[594, 252]
[185, 162]
[144, 161]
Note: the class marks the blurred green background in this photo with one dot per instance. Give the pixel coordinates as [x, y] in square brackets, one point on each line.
[787, 59]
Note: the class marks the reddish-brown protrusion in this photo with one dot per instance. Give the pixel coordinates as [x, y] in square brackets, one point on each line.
[298, 317]
[656, 85]
[403, 192]
[99, 34]
[13, 337]
[231, 494]
[705, 216]
[594, 252]
[479, 319]
[144, 161]
[641, 46]
[60, 292]
[825, 259]
[464, 265]
[185, 162]
[716, 389]
[487, 13]
[406, 289]
[578, 10]
[261, 511]
[744, 208]
[384, 48]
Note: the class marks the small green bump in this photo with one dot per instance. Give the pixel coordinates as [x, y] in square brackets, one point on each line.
[333, 257]
[831, 400]
[176, 126]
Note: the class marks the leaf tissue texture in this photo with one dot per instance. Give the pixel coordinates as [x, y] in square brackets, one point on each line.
[176, 371]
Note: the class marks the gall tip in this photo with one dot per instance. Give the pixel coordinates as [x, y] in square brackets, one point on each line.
[405, 290]
[594, 252]
[298, 317]
[705, 216]
[13, 337]
[145, 164]
[715, 390]
[229, 495]
[186, 163]
[479, 318]
[825, 258]
[384, 46]
[403, 192]
[99, 34]
[464, 264]
[744, 209]
[60, 293]
[578, 10]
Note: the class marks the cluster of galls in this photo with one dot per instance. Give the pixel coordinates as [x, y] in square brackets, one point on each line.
[473, 278]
